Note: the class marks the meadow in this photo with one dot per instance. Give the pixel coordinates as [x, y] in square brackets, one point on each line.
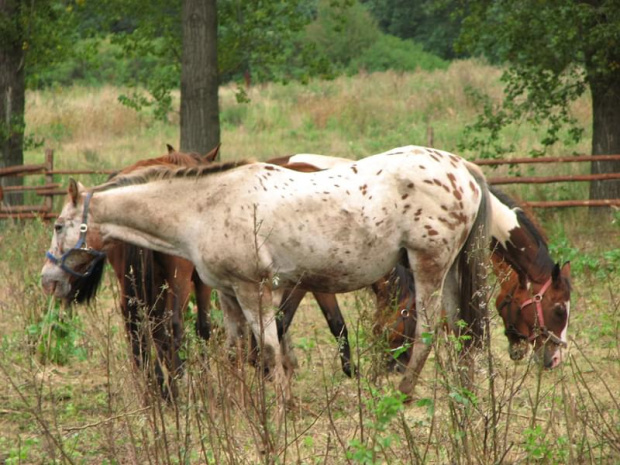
[70, 394]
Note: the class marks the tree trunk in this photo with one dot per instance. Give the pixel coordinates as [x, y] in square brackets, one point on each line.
[12, 98]
[200, 114]
[605, 89]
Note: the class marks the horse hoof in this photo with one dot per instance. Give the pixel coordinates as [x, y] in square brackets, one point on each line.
[349, 369]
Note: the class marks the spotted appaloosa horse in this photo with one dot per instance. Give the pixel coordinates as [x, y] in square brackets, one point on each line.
[152, 284]
[332, 231]
[534, 297]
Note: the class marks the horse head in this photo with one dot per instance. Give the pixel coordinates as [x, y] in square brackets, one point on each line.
[534, 313]
[75, 254]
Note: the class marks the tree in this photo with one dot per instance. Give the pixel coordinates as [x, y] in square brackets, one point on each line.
[555, 52]
[200, 118]
[259, 38]
[12, 92]
[32, 35]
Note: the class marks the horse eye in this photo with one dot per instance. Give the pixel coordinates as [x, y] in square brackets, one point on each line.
[58, 227]
[560, 311]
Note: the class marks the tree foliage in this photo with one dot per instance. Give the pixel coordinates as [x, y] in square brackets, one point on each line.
[554, 50]
[256, 40]
[431, 23]
[342, 20]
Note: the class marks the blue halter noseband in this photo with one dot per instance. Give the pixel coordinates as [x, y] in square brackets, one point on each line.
[79, 247]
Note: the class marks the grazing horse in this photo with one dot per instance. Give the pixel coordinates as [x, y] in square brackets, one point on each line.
[332, 231]
[533, 300]
[152, 284]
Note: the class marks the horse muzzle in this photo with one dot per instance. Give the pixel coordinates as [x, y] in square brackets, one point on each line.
[518, 350]
[53, 283]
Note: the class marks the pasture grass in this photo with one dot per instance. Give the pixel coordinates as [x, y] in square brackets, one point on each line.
[70, 393]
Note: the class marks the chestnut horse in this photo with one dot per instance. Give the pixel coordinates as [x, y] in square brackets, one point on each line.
[155, 289]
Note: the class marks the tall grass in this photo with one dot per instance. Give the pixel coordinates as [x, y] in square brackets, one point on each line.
[350, 116]
[92, 406]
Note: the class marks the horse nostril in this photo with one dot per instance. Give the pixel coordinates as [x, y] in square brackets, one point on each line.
[48, 285]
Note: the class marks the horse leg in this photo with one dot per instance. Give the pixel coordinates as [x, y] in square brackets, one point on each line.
[288, 302]
[203, 307]
[429, 271]
[234, 325]
[177, 298]
[137, 341]
[166, 365]
[257, 306]
[331, 311]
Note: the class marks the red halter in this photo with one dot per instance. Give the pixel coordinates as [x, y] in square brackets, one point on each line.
[537, 300]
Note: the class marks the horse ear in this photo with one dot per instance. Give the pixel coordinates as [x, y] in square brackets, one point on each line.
[212, 155]
[170, 148]
[566, 269]
[74, 190]
[559, 272]
[556, 273]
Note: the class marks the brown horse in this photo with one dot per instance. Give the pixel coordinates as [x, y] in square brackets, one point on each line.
[155, 289]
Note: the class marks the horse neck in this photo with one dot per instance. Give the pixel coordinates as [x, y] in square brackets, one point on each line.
[519, 243]
[142, 216]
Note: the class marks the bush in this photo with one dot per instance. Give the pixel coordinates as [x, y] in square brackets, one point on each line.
[390, 52]
[342, 31]
[97, 62]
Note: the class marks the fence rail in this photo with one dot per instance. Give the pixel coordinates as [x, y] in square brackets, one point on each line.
[51, 189]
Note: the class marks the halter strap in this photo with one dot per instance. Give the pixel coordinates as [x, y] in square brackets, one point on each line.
[79, 246]
[537, 300]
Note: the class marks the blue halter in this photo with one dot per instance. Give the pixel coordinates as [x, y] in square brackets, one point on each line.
[79, 247]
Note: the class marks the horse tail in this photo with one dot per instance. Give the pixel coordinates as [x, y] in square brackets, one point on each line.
[472, 268]
[140, 282]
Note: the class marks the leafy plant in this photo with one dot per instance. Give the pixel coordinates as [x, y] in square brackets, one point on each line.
[383, 407]
[58, 336]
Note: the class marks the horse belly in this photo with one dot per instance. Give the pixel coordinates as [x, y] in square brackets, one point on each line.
[332, 261]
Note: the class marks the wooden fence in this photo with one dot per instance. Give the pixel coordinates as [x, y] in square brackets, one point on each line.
[49, 189]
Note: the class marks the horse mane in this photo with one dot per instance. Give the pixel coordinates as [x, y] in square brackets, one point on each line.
[168, 171]
[84, 289]
[526, 220]
[172, 158]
